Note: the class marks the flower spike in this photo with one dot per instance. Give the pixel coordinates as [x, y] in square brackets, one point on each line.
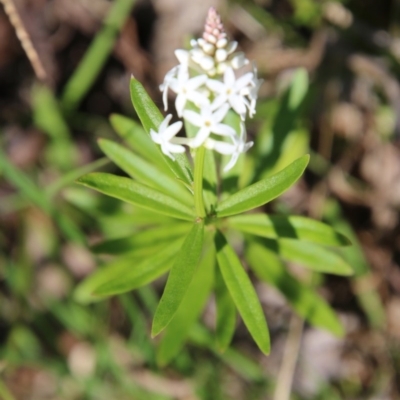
[208, 86]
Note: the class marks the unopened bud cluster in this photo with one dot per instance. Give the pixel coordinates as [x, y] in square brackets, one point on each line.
[214, 52]
[207, 89]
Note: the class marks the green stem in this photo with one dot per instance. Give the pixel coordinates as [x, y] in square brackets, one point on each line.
[198, 182]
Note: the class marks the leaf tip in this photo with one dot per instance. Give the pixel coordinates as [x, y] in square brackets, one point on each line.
[155, 331]
[344, 240]
[266, 349]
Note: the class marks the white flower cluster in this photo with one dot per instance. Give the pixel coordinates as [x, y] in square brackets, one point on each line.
[195, 80]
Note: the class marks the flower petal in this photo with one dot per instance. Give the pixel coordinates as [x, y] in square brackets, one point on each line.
[238, 104]
[196, 82]
[223, 130]
[231, 162]
[229, 77]
[219, 101]
[201, 137]
[197, 98]
[182, 56]
[180, 103]
[244, 81]
[219, 146]
[175, 148]
[155, 137]
[215, 86]
[220, 114]
[164, 124]
[172, 130]
[193, 117]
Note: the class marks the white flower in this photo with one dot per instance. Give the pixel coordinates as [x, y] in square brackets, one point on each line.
[169, 76]
[186, 89]
[183, 56]
[208, 121]
[234, 149]
[230, 90]
[165, 136]
[251, 91]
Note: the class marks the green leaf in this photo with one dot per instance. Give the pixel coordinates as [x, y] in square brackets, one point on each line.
[145, 172]
[367, 293]
[263, 191]
[126, 273]
[243, 293]
[273, 141]
[226, 313]
[143, 240]
[294, 227]
[210, 181]
[304, 300]
[298, 89]
[309, 255]
[39, 198]
[136, 193]
[189, 310]
[49, 119]
[71, 176]
[151, 118]
[179, 278]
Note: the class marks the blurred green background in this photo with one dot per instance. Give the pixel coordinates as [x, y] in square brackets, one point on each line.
[65, 67]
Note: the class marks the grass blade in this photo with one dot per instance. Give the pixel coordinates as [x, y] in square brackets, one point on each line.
[95, 57]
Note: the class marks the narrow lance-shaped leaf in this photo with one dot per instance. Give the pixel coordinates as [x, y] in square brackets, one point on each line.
[145, 172]
[309, 255]
[151, 118]
[131, 275]
[210, 181]
[136, 193]
[126, 273]
[294, 227]
[144, 239]
[226, 313]
[263, 191]
[242, 292]
[189, 310]
[304, 299]
[179, 278]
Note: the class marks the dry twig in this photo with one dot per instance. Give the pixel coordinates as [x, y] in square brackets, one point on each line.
[24, 38]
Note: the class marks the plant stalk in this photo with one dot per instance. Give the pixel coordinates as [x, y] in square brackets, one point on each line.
[198, 182]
